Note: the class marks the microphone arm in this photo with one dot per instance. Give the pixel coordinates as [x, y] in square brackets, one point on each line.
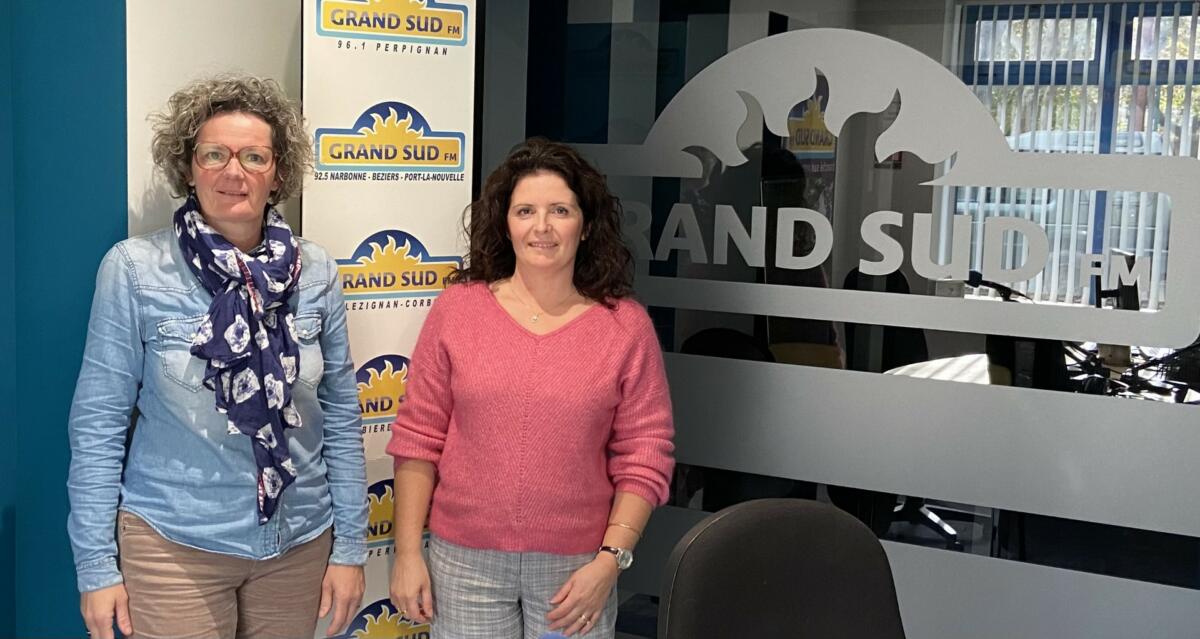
[975, 280]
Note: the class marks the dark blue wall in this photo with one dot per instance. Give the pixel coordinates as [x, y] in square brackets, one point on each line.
[68, 133]
[8, 431]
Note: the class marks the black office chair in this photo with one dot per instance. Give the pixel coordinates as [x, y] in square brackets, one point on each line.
[726, 342]
[1031, 363]
[770, 568]
[898, 346]
[722, 487]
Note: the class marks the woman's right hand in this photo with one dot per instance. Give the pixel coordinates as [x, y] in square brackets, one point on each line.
[410, 588]
[99, 607]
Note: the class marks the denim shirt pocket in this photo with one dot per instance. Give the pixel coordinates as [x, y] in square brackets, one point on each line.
[312, 360]
[174, 346]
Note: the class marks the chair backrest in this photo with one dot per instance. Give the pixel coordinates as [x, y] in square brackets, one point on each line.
[1032, 363]
[726, 342]
[769, 568]
[900, 345]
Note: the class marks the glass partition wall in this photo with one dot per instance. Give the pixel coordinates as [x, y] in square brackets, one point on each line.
[913, 259]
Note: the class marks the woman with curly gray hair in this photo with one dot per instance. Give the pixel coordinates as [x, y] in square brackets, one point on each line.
[237, 505]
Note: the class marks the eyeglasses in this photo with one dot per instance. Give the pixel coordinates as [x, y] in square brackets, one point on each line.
[214, 157]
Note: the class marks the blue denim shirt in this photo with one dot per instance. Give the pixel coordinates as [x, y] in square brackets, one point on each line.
[180, 470]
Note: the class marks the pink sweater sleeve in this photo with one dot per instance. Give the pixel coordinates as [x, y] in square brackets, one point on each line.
[419, 431]
[640, 448]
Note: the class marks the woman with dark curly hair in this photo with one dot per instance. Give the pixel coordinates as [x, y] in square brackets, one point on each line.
[237, 505]
[537, 418]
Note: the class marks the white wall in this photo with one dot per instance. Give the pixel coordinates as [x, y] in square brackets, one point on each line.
[172, 42]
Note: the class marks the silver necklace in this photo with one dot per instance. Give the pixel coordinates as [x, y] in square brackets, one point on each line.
[537, 315]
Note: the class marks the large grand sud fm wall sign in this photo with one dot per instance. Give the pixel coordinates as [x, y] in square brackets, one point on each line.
[940, 120]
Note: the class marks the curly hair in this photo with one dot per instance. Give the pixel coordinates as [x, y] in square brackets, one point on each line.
[603, 264]
[176, 127]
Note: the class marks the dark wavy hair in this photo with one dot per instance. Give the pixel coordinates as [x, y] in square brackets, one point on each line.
[603, 264]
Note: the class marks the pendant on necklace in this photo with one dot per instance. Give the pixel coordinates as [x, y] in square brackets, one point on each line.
[534, 318]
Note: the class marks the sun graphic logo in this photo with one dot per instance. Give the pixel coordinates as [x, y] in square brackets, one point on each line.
[381, 383]
[412, 21]
[381, 504]
[393, 264]
[390, 137]
[941, 122]
[808, 137]
[381, 507]
[380, 620]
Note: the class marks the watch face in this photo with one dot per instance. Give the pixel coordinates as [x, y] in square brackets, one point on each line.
[624, 559]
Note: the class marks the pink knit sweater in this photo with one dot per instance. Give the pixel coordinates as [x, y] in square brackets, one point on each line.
[532, 434]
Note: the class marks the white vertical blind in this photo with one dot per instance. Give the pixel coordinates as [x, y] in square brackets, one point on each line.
[1041, 69]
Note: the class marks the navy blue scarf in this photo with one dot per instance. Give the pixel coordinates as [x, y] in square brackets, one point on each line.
[248, 339]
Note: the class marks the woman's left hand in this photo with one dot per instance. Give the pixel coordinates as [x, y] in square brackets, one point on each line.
[342, 591]
[581, 601]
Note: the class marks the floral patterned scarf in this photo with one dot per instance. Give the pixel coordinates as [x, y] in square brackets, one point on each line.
[248, 339]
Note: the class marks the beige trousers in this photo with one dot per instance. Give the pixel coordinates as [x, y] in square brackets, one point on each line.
[179, 592]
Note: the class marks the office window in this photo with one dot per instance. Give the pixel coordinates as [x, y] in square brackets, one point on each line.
[1083, 78]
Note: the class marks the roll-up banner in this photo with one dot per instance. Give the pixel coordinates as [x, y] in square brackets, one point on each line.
[389, 90]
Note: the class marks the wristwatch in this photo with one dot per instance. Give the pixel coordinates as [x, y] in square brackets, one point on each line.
[624, 556]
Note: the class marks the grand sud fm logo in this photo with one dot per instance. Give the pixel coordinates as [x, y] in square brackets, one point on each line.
[390, 137]
[940, 121]
[381, 385]
[392, 265]
[402, 21]
[381, 504]
[381, 620]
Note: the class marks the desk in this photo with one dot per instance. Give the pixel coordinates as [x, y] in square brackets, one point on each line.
[972, 369]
